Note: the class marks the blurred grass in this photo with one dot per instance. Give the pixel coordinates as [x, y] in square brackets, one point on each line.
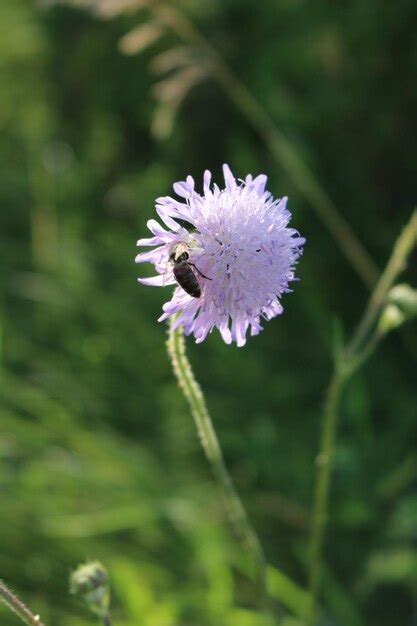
[99, 457]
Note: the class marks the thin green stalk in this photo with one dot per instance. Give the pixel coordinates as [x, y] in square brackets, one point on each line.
[107, 621]
[321, 491]
[363, 344]
[356, 361]
[280, 147]
[211, 446]
[18, 607]
[396, 264]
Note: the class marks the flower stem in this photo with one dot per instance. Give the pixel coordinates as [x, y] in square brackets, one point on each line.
[330, 413]
[18, 607]
[396, 264]
[192, 392]
[359, 349]
[107, 620]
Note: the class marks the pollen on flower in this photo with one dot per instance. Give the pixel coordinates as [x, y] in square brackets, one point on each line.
[229, 252]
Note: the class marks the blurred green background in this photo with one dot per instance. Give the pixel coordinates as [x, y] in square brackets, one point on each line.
[99, 456]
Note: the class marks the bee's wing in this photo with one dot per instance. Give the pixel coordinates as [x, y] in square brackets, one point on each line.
[168, 275]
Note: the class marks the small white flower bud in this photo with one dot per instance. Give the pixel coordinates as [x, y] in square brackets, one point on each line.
[405, 298]
[91, 583]
[391, 318]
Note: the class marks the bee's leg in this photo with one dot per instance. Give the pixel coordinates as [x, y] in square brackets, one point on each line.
[201, 273]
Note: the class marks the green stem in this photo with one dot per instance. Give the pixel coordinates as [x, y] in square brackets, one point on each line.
[211, 447]
[361, 347]
[107, 621]
[396, 264]
[323, 460]
[18, 607]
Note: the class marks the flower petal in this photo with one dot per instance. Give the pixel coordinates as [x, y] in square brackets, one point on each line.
[154, 256]
[225, 332]
[258, 184]
[149, 241]
[169, 216]
[241, 327]
[229, 179]
[156, 228]
[185, 188]
[153, 281]
[207, 181]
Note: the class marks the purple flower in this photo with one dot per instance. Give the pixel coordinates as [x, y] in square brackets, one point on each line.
[231, 249]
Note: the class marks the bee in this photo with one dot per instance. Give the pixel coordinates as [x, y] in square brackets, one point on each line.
[184, 271]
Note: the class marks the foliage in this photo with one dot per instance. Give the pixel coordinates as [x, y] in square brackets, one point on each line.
[99, 457]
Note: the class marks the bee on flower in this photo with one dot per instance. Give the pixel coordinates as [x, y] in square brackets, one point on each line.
[229, 252]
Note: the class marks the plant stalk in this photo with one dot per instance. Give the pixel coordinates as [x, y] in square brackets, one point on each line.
[362, 345]
[18, 607]
[396, 264]
[323, 459]
[107, 621]
[194, 396]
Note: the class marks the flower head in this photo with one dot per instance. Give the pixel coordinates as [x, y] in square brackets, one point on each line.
[229, 251]
[91, 582]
